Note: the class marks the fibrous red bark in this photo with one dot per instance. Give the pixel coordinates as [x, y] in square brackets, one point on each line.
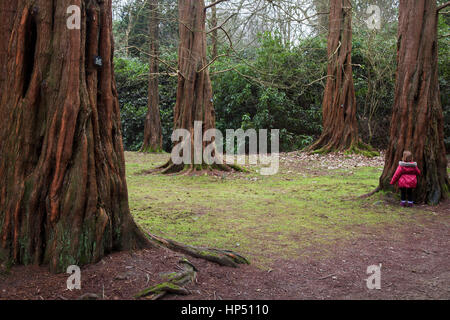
[63, 193]
[194, 92]
[7, 14]
[153, 132]
[340, 127]
[417, 119]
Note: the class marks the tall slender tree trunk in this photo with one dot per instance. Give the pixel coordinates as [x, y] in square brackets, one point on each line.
[214, 33]
[63, 193]
[128, 31]
[152, 131]
[340, 127]
[417, 119]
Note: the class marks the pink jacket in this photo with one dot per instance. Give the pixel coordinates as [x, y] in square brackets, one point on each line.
[406, 175]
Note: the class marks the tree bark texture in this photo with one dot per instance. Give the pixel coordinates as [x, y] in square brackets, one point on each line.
[7, 14]
[194, 91]
[417, 119]
[153, 132]
[63, 193]
[340, 127]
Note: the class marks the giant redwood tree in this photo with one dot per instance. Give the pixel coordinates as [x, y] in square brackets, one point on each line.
[194, 91]
[63, 194]
[340, 127]
[152, 129]
[417, 119]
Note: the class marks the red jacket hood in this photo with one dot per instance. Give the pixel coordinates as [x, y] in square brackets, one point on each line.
[408, 167]
[406, 175]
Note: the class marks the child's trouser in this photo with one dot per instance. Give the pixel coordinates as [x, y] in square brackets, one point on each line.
[406, 194]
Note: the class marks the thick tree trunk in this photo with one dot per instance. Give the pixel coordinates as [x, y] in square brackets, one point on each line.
[63, 194]
[340, 127]
[194, 92]
[153, 131]
[417, 120]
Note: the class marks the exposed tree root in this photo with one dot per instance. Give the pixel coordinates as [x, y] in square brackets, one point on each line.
[151, 150]
[368, 195]
[176, 280]
[355, 148]
[195, 169]
[174, 284]
[222, 257]
[171, 168]
[363, 149]
[226, 167]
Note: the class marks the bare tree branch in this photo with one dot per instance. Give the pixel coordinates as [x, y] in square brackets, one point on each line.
[214, 4]
[219, 27]
[445, 5]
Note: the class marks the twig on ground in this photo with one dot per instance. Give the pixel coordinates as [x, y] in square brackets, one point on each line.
[326, 277]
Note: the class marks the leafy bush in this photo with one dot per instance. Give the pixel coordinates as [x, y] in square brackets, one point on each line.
[277, 91]
[132, 86]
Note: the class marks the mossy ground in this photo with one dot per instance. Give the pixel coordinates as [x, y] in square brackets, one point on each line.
[294, 213]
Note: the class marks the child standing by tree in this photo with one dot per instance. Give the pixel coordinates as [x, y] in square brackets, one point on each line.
[406, 175]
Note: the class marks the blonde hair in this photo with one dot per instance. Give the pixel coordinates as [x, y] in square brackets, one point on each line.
[407, 156]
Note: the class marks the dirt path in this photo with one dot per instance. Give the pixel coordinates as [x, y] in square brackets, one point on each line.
[415, 265]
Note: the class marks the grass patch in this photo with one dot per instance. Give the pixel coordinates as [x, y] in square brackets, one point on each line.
[262, 217]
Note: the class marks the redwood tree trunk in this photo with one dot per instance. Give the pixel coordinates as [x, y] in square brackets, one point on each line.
[194, 92]
[417, 120]
[63, 193]
[153, 131]
[340, 127]
[7, 14]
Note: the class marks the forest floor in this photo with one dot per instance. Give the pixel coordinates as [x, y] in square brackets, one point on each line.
[306, 231]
